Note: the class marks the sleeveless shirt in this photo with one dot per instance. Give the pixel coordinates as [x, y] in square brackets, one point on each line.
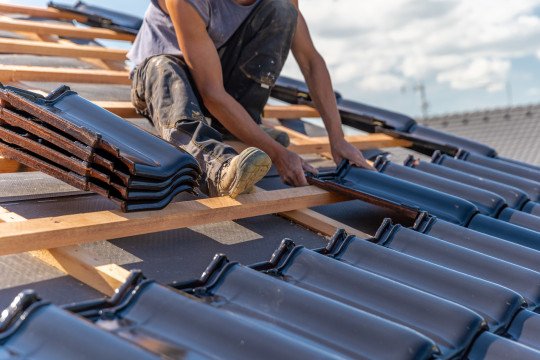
[157, 37]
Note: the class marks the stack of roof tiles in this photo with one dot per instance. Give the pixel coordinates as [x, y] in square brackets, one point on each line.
[400, 295]
[72, 139]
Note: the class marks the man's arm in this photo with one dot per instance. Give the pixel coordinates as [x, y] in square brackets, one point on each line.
[317, 77]
[204, 64]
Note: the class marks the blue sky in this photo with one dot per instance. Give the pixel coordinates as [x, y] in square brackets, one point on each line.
[466, 52]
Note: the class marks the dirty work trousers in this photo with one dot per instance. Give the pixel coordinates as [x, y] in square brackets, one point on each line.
[164, 91]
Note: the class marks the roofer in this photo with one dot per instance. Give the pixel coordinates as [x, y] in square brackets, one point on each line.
[204, 70]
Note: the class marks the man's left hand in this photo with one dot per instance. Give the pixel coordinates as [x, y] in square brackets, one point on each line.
[341, 150]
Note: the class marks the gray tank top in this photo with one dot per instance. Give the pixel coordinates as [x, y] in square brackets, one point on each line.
[157, 36]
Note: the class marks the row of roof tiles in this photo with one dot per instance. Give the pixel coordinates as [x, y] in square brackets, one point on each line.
[400, 295]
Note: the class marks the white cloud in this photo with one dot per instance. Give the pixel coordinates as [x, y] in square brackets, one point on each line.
[381, 82]
[377, 46]
[486, 73]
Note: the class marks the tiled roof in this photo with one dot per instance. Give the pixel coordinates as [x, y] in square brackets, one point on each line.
[514, 132]
[455, 272]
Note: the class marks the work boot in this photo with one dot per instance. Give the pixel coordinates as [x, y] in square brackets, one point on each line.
[239, 174]
[279, 136]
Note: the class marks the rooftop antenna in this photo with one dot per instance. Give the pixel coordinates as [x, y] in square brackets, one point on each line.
[420, 87]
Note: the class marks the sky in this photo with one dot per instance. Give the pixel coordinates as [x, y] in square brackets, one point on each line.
[466, 54]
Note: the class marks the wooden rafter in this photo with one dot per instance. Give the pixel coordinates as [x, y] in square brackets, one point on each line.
[320, 223]
[9, 166]
[77, 261]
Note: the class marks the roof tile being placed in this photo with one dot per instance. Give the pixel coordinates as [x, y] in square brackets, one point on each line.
[141, 171]
[357, 182]
[361, 183]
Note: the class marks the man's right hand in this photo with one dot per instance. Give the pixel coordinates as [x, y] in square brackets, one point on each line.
[291, 168]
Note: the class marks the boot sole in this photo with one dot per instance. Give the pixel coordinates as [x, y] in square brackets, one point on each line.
[251, 169]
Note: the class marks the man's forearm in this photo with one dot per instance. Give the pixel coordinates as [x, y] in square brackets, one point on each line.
[320, 88]
[236, 119]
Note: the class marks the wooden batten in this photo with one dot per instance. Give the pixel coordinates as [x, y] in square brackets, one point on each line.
[67, 230]
[16, 46]
[65, 30]
[47, 13]
[14, 73]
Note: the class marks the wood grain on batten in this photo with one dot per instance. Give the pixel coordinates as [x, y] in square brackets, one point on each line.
[48, 13]
[53, 232]
[66, 30]
[16, 46]
[14, 73]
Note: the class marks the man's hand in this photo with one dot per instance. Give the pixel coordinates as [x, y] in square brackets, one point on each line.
[291, 168]
[341, 150]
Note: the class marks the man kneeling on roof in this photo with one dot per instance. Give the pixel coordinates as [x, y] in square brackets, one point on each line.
[204, 70]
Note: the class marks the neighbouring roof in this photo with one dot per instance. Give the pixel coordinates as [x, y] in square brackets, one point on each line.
[513, 131]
